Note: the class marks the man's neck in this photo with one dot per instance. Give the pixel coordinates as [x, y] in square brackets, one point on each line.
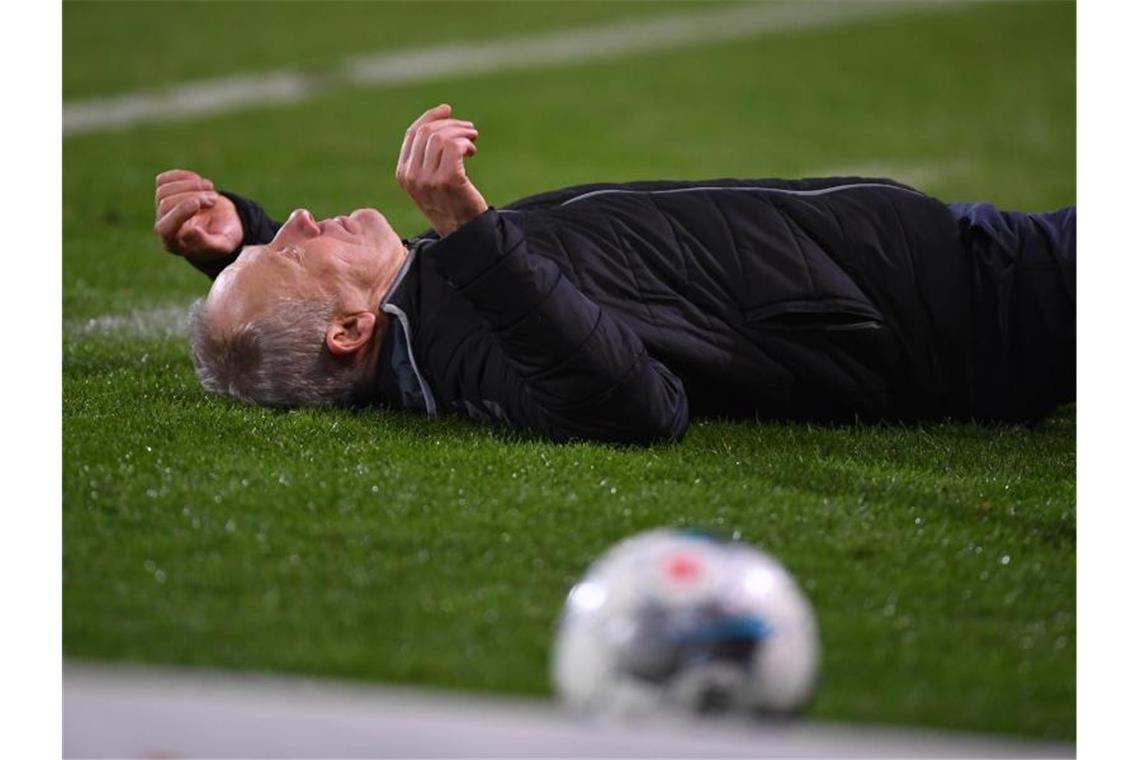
[393, 266]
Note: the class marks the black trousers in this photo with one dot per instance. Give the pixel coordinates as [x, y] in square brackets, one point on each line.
[1025, 309]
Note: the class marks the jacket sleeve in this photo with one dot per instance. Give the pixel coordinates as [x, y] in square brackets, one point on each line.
[257, 229]
[584, 374]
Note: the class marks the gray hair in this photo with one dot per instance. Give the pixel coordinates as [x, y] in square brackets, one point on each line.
[278, 359]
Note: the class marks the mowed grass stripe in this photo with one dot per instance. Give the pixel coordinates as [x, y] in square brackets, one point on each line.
[234, 93]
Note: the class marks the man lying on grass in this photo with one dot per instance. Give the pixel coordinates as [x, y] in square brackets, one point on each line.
[613, 312]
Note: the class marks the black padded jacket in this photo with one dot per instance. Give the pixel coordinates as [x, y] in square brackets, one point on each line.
[614, 312]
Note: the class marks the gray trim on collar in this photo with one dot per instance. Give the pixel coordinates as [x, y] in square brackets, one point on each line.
[406, 327]
[413, 249]
[405, 324]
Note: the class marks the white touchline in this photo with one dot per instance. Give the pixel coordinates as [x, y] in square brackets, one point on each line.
[921, 176]
[234, 93]
[135, 711]
[158, 322]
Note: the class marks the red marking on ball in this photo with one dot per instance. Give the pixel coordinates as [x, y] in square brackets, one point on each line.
[683, 568]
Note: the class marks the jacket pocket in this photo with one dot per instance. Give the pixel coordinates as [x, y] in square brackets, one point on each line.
[827, 314]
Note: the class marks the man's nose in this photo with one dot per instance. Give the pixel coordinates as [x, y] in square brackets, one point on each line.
[302, 220]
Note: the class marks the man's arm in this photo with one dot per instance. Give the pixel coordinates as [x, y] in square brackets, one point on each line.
[584, 374]
[205, 226]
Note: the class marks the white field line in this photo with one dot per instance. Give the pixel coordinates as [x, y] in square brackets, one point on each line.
[115, 711]
[919, 176]
[155, 323]
[233, 93]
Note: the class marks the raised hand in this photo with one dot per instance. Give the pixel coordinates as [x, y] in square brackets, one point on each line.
[431, 170]
[192, 219]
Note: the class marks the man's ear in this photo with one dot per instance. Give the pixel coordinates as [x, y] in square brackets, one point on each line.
[350, 333]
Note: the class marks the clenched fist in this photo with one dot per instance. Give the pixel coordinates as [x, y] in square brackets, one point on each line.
[431, 170]
[192, 219]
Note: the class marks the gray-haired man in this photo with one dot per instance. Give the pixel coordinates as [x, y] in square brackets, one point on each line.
[613, 312]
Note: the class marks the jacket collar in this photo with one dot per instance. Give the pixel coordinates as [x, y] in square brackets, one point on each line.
[398, 381]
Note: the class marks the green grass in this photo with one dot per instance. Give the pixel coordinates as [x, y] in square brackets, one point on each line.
[383, 546]
[118, 46]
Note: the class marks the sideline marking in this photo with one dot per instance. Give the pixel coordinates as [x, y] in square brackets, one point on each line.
[170, 320]
[919, 176]
[234, 93]
[134, 711]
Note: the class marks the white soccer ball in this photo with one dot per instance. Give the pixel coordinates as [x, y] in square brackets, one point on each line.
[672, 620]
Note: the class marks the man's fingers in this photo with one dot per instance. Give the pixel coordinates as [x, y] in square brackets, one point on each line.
[440, 141]
[442, 111]
[196, 237]
[170, 222]
[405, 150]
[437, 137]
[427, 139]
[207, 198]
[428, 128]
[414, 140]
[414, 157]
[416, 154]
[191, 237]
[408, 147]
[444, 125]
[450, 166]
[174, 174]
[177, 187]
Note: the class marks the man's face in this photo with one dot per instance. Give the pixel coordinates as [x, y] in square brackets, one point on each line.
[343, 258]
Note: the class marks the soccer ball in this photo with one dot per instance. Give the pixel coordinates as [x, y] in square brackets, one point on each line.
[671, 620]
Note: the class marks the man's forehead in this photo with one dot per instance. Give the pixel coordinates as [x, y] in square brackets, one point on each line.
[223, 300]
[225, 282]
[261, 275]
[229, 295]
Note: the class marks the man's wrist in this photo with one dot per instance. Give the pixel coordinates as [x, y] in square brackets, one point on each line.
[466, 253]
[447, 222]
